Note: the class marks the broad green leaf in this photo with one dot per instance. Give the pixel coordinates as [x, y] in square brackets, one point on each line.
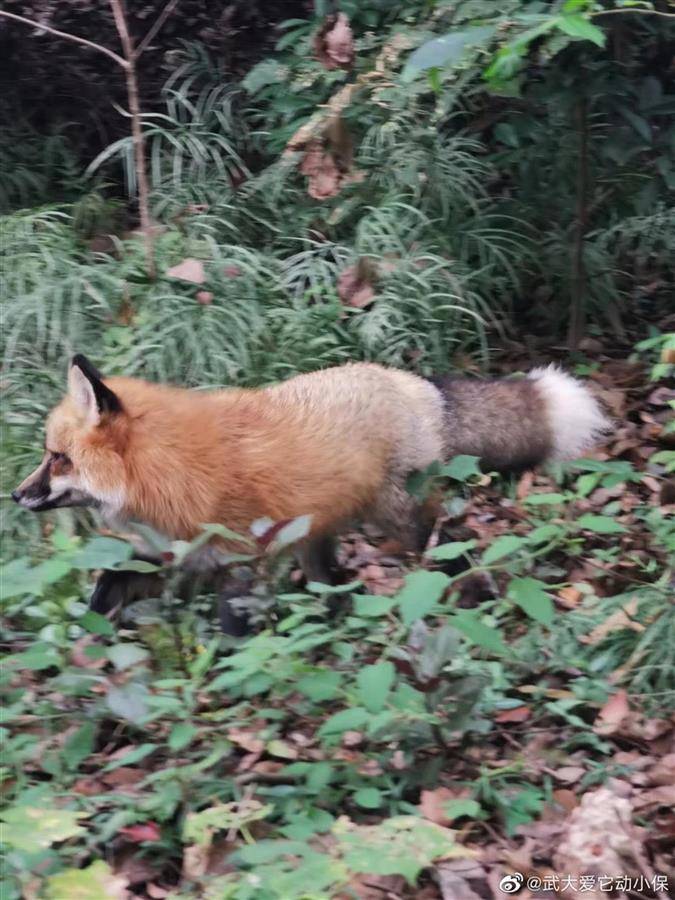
[199, 827]
[544, 499]
[346, 720]
[462, 467]
[502, 546]
[102, 553]
[95, 623]
[453, 550]
[600, 524]
[79, 745]
[267, 72]
[367, 605]
[374, 683]
[35, 828]
[401, 845]
[368, 798]
[421, 592]
[579, 26]
[530, 594]
[454, 809]
[478, 632]
[96, 882]
[181, 735]
[133, 756]
[128, 702]
[122, 656]
[321, 685]
[39, 656]
[447, 50]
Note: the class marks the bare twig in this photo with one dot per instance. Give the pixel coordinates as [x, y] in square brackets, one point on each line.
[69, 37]
[633, 9]
[578, 287]
[159, 22]
[136, 133]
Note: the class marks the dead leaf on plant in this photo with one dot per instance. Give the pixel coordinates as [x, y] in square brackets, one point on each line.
[334, 43]
[191, 270]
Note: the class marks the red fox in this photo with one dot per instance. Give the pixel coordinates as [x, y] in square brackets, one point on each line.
[337, 444]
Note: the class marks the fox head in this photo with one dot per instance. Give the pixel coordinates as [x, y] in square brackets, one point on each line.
[85, 437]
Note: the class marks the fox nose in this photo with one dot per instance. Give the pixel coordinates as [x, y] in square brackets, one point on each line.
[16, 496]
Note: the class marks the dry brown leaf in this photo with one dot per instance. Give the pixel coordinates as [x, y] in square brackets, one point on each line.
[618, 620]
[246, 738]
[352, 738]
[79, 656]
[569, 597]
[613, 714]
[566, 798]
[663, 773]
[517, 714]
[355, 284]
[191, 270]
[334, 43]
[432, 803]
[323, 176]
[569, 774]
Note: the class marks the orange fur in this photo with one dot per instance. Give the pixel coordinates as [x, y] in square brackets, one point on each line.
[186, 458]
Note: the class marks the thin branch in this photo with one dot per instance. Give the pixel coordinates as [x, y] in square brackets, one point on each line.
[632, 9]
[161, 19]
[69, 37]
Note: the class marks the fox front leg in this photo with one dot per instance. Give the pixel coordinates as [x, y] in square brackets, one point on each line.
[317, 559]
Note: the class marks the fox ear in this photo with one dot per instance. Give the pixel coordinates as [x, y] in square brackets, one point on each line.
[88, 392]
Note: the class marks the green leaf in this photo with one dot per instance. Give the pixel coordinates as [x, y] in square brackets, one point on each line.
[39, 656]
[374, 683]
[368, 798]
[181, 735]
[267, 72]
[579, 26]
[323, 684]
[478, 632]
[132, 757]
[452, 550]
[128, 702]
[531, 596]
[367, 605]
[503, 546]
[421, 592]
[36, 828]
[455, 809]
[544, 499]
[102, 553]
[401, 845]
[96, 882]
[79, 745]
[123, 656]
[95, 623]
[462, 467]
[600, 524]
[345, 720]
[447, 50]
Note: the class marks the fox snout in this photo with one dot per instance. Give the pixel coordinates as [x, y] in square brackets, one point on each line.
[47, 488]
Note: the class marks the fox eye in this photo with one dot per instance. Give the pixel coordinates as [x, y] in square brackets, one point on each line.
[61, 458]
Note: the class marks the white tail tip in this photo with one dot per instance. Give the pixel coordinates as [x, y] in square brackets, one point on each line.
[575, 418]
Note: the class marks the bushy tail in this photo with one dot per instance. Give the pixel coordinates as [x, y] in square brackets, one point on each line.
[519, 423]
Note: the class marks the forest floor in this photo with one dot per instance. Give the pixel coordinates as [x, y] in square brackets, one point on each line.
[539, 749]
